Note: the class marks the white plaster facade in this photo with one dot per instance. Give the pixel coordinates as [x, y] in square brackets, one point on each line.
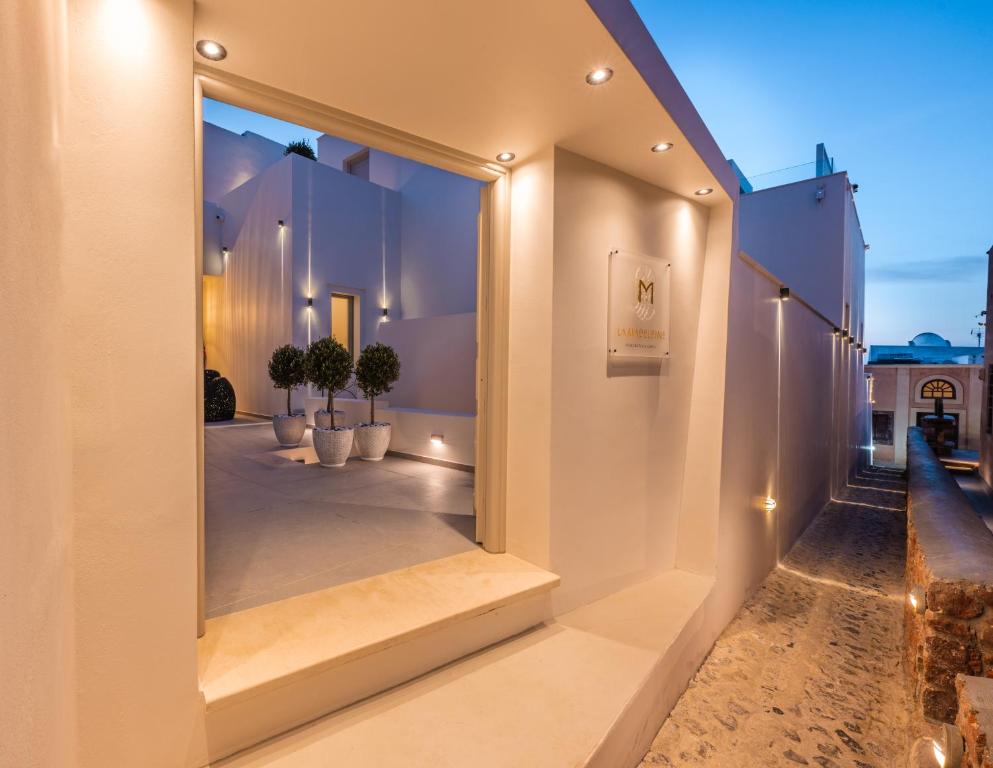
[104, 656]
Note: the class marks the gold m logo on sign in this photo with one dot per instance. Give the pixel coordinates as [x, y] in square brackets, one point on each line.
[646, 290]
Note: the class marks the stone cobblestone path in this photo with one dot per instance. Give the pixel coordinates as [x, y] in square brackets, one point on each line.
[809, 672]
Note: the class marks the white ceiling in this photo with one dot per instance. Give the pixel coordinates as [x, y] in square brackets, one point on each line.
[479, 76]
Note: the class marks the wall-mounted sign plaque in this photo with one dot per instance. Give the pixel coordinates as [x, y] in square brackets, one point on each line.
[638, 306]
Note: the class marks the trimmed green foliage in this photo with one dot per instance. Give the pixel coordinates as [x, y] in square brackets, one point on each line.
[378, 368]
[286, 371]
[328, 366]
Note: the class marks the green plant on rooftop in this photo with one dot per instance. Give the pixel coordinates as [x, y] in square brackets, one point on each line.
[300, 147]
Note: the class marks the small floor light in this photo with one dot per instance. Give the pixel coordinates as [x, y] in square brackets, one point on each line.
[949, 748]
[437, 439]
[917, 599]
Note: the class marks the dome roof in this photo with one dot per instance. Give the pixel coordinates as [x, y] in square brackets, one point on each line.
[929, 339]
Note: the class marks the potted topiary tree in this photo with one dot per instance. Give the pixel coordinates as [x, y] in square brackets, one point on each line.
[329, 367]
[378, 368]
[286, 371]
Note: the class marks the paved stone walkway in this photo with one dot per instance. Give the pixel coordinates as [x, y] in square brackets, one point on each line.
[809, 672]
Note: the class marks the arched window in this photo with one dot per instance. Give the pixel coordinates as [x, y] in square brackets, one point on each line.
[938, 389]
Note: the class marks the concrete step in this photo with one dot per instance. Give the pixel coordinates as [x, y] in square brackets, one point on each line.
[588, 689]
[268, 669]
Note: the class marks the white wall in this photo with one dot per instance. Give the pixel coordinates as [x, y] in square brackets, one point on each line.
[38, 714]
[231, 159]
[437, 362]
[800, 240]
[618, 436]
[129, 315]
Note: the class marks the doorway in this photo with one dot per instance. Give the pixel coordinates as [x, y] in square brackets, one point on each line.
[345, 323]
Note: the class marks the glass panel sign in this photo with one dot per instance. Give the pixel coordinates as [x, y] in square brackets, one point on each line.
[638, 308]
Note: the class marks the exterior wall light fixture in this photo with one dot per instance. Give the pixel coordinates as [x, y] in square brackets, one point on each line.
[844, 333]
[386, 312]
[437, 439]
[212, 50]
[703, 191]
[836, 331]
[784, 293]
[310, 301]
[280, 223]
[599, 76]
[949, 748]
[505, 157]
[917, 599]
[663, 146]
[770, 504]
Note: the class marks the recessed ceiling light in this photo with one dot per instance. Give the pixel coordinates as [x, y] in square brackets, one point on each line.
[599, 76]
[703, 191]
[505, 157]
[212, 50]
[664, 146]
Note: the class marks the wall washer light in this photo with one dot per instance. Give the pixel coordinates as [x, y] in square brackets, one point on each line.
[280, 224]
[310, 301]
[836, 331]
[386, 312]
[703, 191]
[599, 76]
[437, 439]
[784, 293]
[212, 50]
[505, 157]
[664, 146]
[770, 503]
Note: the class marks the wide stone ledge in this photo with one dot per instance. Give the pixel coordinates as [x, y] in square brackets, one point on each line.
[950, 568]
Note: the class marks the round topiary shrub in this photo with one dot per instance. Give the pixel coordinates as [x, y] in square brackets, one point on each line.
[328, 366]
[375, 373]
[286, 371]
[218, 397]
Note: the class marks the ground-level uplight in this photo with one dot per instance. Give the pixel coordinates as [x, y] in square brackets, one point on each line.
[599, 76]
[437, 439]
[949, 748]
[211, 49]
[917, 599]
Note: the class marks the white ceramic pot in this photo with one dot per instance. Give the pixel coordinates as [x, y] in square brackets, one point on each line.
[333, 445]
[373, 440]
[289, 429]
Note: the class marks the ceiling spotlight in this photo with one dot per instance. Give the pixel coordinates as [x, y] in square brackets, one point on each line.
[212, 50]
[599, 76]
[664, 146]
[703, 191]
[505, 157]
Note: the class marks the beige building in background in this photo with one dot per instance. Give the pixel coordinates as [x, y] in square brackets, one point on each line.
[901, 395]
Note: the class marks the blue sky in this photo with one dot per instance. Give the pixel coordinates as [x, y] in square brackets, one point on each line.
[900, 92]
[902, 95]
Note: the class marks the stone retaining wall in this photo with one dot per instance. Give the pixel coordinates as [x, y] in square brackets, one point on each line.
[950, 558]
[975, 719]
